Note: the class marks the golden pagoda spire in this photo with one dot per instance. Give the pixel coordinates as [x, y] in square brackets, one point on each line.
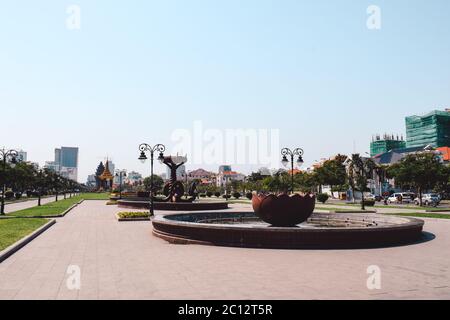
[106, 175]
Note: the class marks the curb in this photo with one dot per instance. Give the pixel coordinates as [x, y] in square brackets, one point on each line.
[6, 253]
[354, 211]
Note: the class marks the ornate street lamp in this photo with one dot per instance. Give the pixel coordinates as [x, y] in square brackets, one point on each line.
[143, 148]
[120, 174]
[285, 152]
[11, 156]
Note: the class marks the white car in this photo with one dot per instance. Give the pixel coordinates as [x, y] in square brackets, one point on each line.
[369, 197]
[429, 199]
[401, 197]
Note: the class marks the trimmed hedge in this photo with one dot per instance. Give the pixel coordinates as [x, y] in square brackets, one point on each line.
[322, 197]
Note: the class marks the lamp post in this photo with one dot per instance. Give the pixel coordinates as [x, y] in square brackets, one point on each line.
[120, 174]
[143, 148]
[285, 152]
[186, 185]
[5, 156]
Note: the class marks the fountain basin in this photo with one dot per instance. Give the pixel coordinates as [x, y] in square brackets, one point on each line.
[321, 231]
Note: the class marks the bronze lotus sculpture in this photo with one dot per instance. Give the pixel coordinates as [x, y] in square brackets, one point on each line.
[283, 210]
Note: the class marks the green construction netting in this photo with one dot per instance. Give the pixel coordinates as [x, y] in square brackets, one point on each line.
[382, 146]
[432, 129]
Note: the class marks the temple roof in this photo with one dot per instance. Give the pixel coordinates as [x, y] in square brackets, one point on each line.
[106, 175]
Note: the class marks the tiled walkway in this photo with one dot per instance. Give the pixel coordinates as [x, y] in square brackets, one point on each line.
[124, 261]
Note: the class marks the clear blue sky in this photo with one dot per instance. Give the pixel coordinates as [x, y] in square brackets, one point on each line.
[309, 68]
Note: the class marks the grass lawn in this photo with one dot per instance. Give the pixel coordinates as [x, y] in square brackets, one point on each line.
[57, 208]
[49, 209]
[420, 215]
[12, 230]
[94, 196]
[378, 205]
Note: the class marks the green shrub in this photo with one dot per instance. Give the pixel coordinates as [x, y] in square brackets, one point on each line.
[9, 195]
[209, 194]
[249, 195]
[322, 197]
[131, 215]
[226, 196]
[237, 195]
[202, 195]
[217, 194]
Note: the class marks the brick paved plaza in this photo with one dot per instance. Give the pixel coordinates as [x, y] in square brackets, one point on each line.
[124, 261]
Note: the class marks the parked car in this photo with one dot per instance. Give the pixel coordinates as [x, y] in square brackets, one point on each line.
[369, 197]
[401, 197]
[429, 199]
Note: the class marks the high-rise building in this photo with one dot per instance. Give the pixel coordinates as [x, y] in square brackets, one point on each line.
[382, 144]
[68, 157]
[66, 162]
[432, 129]
[22, 155]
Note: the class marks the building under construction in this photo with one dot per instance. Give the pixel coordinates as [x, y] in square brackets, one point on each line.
[432, 129]
[381, 144]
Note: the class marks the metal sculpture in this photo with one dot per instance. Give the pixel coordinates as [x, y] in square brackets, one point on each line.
[174, 189]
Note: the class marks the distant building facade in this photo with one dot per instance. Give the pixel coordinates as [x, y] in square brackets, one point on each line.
[385, 143]
[134, 178]
[432, 129]
[23, 156]
[205, 177]
[227, 175]
[65, 163]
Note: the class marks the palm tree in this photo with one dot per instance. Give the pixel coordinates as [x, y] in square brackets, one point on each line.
[359, 170]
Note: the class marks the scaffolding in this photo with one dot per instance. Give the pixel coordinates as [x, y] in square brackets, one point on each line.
[432, 129]
[385, 143]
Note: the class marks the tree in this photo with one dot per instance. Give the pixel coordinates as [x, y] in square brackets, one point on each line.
[421, 171]
[279, 182]
[98, 173]
[359, 170]
[306, 182]
[443, 184]
[158, 183]
[332, 173]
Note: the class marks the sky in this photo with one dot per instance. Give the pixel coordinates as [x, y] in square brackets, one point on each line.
[146, 71]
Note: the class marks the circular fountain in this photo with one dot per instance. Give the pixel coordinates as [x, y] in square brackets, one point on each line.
[245, 229]
[264, 229]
